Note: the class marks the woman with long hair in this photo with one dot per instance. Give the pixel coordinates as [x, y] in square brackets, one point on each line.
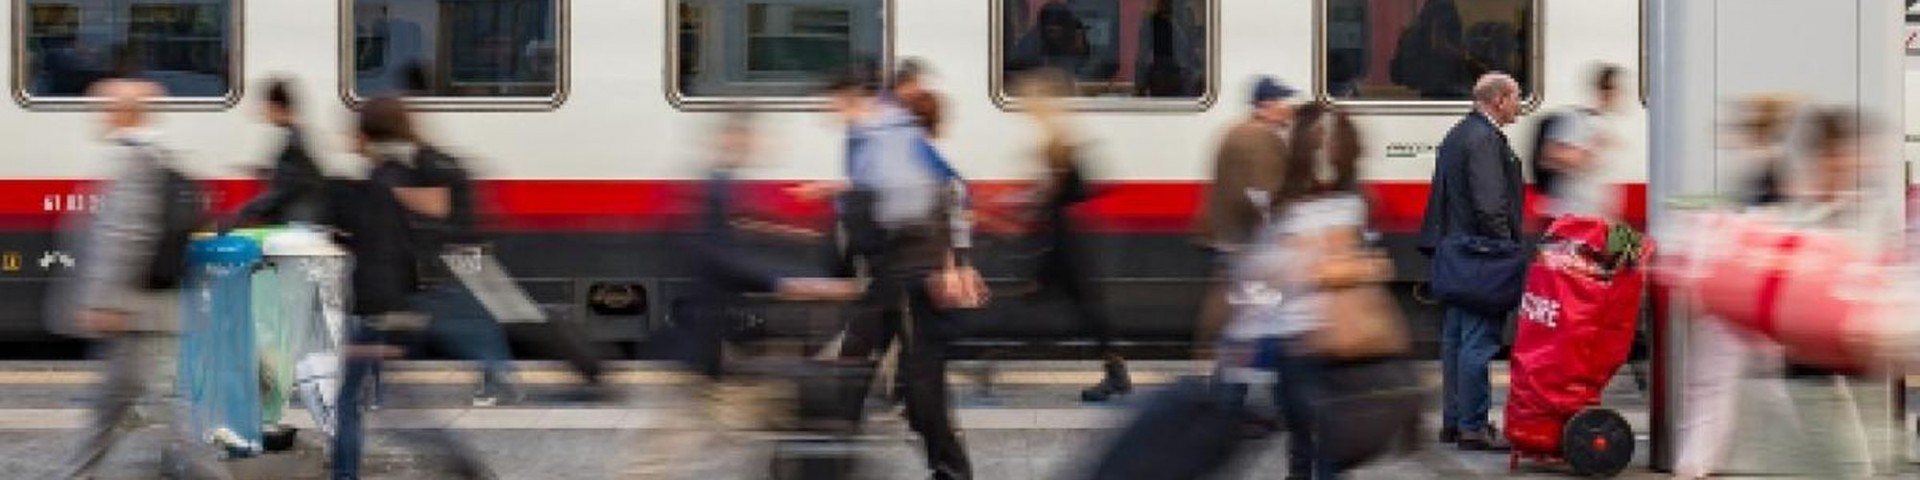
[1063, 267]
[1316, 214]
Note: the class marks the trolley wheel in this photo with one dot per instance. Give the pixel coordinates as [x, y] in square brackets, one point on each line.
[1597, 442]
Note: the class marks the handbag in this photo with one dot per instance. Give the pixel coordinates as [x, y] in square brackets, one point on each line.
[1483, 275]
[1361, 320]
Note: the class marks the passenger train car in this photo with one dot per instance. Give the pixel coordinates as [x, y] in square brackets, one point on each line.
[589, 119]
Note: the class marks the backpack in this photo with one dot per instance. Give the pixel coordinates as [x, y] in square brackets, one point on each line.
[182, 210]
[1545, 179]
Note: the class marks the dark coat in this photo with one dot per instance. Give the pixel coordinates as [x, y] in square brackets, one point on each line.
[294, 190]
[380, 237]
[1477, 187]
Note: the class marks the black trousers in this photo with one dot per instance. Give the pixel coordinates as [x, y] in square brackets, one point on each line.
[1062, 271]
[899, 307]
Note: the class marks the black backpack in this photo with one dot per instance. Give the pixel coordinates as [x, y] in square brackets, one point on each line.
[1546, 180]
[182, 210]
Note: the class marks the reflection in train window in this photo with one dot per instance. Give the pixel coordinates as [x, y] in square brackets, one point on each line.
[1129, 48]
[1424, 49]
[185, 45]
[455, 48]
[773, 48]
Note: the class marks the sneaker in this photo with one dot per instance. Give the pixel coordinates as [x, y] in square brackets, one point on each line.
[1449, 434]
[497, 396]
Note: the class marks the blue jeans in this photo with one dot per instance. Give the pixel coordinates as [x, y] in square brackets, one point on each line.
[349, 423]
[348, 428]
[1468, 343]
[462, 326]
[1298, 389]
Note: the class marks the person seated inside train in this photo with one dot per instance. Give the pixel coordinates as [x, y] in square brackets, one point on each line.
[1165, 62]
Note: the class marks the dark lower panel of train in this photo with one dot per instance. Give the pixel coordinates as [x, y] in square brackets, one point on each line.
[621, 284]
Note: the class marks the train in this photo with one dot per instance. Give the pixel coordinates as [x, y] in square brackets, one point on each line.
[589, 120]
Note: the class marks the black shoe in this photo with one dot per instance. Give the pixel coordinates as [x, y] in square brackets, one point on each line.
[1484, 440]
[1449, 434]
[1116, 382]
[1117, 376]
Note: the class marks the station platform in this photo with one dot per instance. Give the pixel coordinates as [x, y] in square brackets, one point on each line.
[1029, 425]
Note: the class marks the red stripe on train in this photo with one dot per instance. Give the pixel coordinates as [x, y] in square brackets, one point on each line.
[1145, 207]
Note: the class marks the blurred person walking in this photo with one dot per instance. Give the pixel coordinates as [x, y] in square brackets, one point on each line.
[711, 441]
[1573, 151]
[295, 188]
[1828, 399]
[1730, 370]
[1245, 166]
[1476, 194]
[379, 222]
[1065, 264]
[1311, 249]
[904, 215]
[118, 298]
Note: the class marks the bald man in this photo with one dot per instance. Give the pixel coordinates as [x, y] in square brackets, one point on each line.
[112, 303]
[1476, 192]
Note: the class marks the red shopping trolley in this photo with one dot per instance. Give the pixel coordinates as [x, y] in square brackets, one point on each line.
[1576, 328]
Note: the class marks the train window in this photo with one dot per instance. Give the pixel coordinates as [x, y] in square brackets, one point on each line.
[1431, 50]
[188, 46]
[1133, 50]
[770, 49]
[488, 50]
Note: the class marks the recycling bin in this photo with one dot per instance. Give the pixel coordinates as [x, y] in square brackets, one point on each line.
[218, 369]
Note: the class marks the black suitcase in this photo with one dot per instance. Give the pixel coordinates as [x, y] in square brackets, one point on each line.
[1186, 432]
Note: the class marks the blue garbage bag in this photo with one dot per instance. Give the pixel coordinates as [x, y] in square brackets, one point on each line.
[219, 371]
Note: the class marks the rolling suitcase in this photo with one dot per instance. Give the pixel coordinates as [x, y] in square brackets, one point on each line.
[1187, 431]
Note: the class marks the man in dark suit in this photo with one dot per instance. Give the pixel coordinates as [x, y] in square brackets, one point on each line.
[1476, 191]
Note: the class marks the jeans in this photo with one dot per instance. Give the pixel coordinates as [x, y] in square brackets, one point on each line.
[463, 327]
[348, 429]
[349, 424]
[1468, 343]
[1294, 394]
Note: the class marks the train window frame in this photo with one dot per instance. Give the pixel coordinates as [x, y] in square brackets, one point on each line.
[677, 97]
[1645, 81]
[1528, 103]
[1209, 95]
[236, 72]
[562, 78]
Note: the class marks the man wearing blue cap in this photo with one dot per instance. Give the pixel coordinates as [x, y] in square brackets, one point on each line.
[1246, 166]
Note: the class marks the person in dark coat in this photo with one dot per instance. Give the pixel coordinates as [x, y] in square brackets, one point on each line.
[378, 218]
[1476, 191]
[295, 187]
[723, 271]
[1065, 263]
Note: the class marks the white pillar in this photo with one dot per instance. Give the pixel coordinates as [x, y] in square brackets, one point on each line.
[1706, 54]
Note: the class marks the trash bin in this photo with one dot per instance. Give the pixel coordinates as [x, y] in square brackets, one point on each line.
[277, 326]
[300, 313]
[219, 374]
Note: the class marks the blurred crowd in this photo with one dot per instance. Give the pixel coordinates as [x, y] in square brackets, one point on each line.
[1297, 306]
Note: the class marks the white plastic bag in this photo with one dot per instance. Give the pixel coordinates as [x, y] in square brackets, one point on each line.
[318, 379]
